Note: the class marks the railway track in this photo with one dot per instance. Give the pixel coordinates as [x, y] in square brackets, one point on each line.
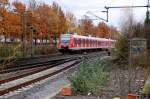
[28, 61]
[17, 82]
[40, 71]
[31, 65]
[35, 70]
[37, 62]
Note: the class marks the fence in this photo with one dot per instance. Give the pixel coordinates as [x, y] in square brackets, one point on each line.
[138, 51]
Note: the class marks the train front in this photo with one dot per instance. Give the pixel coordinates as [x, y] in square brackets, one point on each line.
[64, 41]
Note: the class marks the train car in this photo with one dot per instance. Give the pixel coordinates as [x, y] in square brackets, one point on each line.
[74, 43]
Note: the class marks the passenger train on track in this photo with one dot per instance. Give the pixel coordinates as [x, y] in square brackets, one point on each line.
[77, 43]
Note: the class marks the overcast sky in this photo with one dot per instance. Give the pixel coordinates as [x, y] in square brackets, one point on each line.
[80, 7]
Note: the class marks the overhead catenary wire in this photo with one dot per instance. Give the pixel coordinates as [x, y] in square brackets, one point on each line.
[118, 7]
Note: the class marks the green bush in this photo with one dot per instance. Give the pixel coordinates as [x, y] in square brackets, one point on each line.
[122, 48]
[91, 76]
[146, 89]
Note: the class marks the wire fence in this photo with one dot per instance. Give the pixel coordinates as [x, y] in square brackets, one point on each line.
[18, 50]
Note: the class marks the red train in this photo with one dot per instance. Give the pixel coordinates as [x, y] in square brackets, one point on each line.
[74, 43]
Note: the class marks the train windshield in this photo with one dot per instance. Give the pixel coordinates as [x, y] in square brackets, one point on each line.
[65, 38]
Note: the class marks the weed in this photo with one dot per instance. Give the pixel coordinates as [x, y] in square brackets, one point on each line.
[92, 76]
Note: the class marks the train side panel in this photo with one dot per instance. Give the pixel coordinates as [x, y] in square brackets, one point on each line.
[82, 43]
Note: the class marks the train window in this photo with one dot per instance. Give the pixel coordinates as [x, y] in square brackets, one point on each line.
[65, 38]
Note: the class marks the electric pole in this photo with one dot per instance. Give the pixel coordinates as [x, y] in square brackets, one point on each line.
[118, 7]
[147, 20]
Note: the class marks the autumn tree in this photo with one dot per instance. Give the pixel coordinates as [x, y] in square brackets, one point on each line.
[19, 9]
[19, 6]
[3, 3]
[71, 23]
[87, 26]
[43, 12]
[4, 22]
[4, 16]
[103, 30]
[60, 20]
[95, 31]
[13, 25]
[32, 5]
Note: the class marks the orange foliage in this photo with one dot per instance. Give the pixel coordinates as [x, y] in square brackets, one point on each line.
[20, 7]
[4, 1]
[103, 30]
[87, 26]
[48, 20]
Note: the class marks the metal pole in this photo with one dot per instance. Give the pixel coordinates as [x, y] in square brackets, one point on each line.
[22, 36]
[148, 5]
[148, 9]
[32, 51]
[107, 13]
[126, 7]
[24, 22]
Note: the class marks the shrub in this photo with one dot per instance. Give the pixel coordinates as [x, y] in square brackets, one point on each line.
[146, 89]
[91, 76]
[122, 47]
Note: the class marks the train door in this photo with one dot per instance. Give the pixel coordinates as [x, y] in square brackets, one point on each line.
[75, 42]
[87, 43]
[90, 43]
[84, 43]
[79, 42]
[71, 43]
[96, 43]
